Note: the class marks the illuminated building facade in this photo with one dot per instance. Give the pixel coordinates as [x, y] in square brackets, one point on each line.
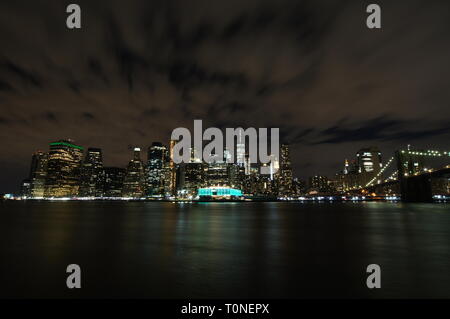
[217, 172]
[285, 171]
[172, 172]
[92, 174]
[318, 184]
[240, 150]
[38, 174]
[63, 169]
[194, 177]
[113, 181]
[368, 161]
[156, 158]
[25, 188]
[133, 185]
[219, 192]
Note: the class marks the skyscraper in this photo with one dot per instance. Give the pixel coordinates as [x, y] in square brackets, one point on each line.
[369, 164]
[285, 171]
[63, 171]
[38, 173]
[113, 181]
[172, 170]
[92, 174]
[133, 185]
[369, 160]
[240, 150]
[156, 158]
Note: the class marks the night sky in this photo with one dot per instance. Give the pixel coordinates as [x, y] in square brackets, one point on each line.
[138, 69]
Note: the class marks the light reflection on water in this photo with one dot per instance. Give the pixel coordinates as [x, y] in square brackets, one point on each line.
[224, 250]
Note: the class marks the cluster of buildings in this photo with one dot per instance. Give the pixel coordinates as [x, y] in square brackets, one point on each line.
[68, 170]
[355, 174]
[368, 170]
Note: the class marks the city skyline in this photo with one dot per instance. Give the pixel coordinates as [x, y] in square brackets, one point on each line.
[313, 69]
[71, 170]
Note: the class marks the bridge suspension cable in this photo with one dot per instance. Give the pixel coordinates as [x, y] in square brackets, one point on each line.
[380, 172]
[393, 177]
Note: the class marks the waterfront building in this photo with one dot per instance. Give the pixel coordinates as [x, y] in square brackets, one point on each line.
[217, 172]
[156, 158]
[285, 171]
[113, 181]
[63, 169]
[25, 188]
[219, 193]
[133, 185]
[38, 174]
[92, 174]
[318, 184]
[193, 176]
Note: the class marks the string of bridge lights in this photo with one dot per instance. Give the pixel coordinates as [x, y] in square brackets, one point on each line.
[420, 153]
[392, 177]
[427, 153]
[380, 172]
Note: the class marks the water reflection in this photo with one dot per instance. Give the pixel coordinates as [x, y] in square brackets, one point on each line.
[223, 250]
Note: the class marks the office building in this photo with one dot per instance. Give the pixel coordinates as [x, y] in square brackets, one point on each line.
[113, 181]
[63, 169]
[133, 185]
[92, 174]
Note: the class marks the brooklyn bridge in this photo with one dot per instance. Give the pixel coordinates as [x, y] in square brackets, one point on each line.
[413, 174]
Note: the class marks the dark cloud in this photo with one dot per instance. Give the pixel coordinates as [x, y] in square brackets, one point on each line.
[24, 76]
[382, 128]
[138, 69]
[88, 116]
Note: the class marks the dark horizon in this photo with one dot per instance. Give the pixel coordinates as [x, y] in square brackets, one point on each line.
[135, 72]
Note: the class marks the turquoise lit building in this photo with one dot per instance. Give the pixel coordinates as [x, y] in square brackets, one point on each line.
[219, 192]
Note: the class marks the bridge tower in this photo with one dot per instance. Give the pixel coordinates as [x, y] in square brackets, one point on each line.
[414, 188]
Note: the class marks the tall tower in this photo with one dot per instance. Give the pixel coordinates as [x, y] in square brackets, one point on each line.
[156, 158]
[172, 169]
[285, 171]
[369, 164]
[133, 185]
[240, 150]
[92, 174]
[63, 170]
[38, 173]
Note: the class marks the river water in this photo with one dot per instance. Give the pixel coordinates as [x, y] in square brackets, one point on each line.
[224, 250]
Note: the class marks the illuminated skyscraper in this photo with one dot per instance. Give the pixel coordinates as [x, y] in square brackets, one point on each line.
[133, 185]
[92, 174]
[172, 171]
[369, 160]
[369, 164]
[63, 171]
[285, 171]
[38, 173]
[156, 158]
[240, 150]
